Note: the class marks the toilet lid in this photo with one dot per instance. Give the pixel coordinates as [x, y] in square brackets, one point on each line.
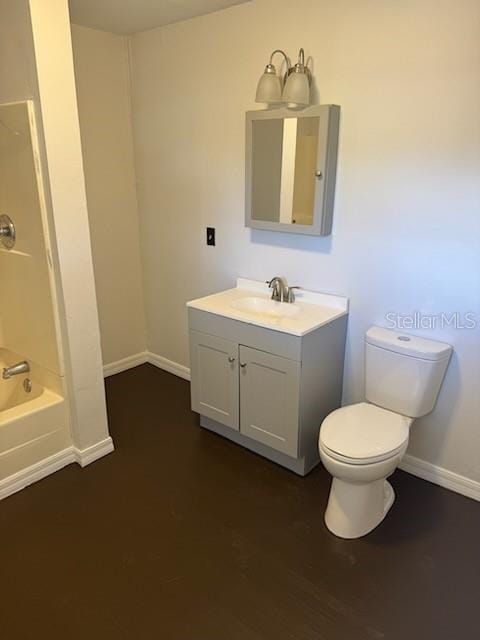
[362, 431]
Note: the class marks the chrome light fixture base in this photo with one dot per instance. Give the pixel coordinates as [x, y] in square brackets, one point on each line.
[271, 89]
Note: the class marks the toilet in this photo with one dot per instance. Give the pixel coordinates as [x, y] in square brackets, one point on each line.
[362, 444]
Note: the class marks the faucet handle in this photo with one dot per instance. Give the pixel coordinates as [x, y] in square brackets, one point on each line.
[291, 294]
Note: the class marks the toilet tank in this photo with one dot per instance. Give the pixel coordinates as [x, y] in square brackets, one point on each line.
[404, 373]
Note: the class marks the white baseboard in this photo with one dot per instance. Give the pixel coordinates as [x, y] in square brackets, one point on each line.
[141, 358]
[55, 462]
[410, 464]
[442, 477]
[36, 472]
[168, 365]
[96, 451]
[125, 363]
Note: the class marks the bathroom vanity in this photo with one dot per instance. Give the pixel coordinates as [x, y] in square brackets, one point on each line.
[264, 373]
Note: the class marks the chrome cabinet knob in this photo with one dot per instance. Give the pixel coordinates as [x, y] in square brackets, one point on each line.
[318, 175]
[231, 359]
[243, 364]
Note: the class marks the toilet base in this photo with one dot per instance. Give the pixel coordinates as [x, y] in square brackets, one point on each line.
[355, 509]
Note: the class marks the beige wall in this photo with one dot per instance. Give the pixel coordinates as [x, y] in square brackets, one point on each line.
[406, 223]
[102, 79]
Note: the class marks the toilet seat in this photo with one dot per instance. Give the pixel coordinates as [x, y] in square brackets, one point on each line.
[363, 461]
[364, 433]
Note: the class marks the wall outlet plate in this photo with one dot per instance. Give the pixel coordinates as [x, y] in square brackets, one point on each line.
[211, 236]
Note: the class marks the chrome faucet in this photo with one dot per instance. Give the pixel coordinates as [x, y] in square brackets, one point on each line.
[279, 288]
[281, 292]
[16, 369]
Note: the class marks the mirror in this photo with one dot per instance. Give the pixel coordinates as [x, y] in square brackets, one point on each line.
[291, 165]
[284, 158]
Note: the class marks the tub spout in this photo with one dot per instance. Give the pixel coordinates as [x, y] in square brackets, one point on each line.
[15, 369]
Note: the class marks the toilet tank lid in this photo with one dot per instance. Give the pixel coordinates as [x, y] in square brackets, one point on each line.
[408, 345]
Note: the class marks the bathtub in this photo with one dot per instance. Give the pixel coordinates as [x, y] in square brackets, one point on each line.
[33, 418]
[13, 393]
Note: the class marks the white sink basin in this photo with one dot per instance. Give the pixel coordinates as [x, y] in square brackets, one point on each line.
[265, 307]
[251, 302]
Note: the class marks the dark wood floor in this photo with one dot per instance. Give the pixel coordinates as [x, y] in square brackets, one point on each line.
[180, 534]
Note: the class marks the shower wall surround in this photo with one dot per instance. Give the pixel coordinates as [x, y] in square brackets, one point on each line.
[27, 311]
[36, 65]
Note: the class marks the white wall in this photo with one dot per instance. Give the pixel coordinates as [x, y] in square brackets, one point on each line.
[407, 215]
[103, 92]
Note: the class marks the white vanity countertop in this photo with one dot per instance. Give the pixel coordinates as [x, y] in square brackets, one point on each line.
[311, 309]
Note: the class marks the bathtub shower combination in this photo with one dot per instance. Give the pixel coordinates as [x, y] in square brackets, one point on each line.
[33, 410]
[32, 419]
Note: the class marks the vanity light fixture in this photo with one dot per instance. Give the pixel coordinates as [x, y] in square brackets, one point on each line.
[293, 89]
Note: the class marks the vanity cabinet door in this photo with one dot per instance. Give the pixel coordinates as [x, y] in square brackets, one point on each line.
[214, 378]
[269, 399]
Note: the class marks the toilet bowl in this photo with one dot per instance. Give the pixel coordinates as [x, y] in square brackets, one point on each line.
[362, 444]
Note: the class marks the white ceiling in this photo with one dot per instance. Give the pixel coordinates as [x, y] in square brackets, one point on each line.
[130, 16]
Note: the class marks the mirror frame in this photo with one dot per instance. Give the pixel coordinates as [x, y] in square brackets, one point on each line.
[329, 118]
